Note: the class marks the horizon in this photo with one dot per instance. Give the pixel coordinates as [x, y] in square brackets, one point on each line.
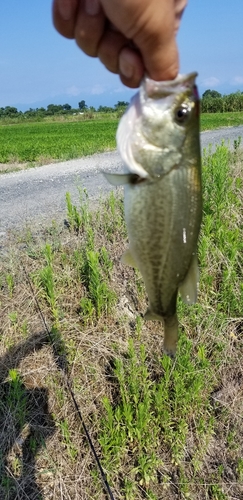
[96, 109]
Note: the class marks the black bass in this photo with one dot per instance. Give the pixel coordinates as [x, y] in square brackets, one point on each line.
[158, 140]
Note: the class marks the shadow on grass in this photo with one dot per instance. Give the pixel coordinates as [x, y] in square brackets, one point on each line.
[25, 424]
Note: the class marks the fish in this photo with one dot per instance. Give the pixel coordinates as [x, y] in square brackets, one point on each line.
[158, 139]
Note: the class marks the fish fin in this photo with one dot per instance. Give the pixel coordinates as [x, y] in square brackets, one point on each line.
[189, 287]
[151, 316]
[117, 179]
[128, 259]
[170, 335]
[122, 179]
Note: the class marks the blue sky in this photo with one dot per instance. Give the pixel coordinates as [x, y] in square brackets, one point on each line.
[39, 67]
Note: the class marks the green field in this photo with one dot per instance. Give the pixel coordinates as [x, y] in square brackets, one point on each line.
[216, 120]
[163, 429]
[42, 142]
[32, 142]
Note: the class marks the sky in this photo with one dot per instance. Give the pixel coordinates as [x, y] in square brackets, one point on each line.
[39, 67]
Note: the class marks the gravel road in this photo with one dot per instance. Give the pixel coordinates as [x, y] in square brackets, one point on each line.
[38, 195]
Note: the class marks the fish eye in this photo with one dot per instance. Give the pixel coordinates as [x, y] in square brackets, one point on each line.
[182, 114]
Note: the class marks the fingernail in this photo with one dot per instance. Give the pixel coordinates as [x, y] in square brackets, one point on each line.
[125, 66]
[65, 9]
[92, 7]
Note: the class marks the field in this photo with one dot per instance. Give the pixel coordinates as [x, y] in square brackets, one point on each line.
[31, 144]
[163, 429]
[44, 142]
[211, 121]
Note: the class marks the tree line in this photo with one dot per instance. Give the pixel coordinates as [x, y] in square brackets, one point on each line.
[60, 109]
[211, 102]
[214, 102]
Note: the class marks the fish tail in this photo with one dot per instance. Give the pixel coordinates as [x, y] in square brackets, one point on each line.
[170, 335]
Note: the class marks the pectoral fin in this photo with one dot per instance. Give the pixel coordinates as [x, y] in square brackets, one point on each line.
[123, 179]
[117, 179]
[188, 288]
[128, 259]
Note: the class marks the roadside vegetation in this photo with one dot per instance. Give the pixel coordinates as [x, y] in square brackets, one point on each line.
[163, 429]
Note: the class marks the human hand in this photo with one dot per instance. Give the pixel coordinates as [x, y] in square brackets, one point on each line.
[130, 37]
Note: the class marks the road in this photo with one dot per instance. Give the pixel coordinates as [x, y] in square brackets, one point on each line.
[38, 195]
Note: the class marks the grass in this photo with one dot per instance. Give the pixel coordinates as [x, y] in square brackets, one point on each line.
[210, 121]
[44, 141]
[163, 429]
[31, 144]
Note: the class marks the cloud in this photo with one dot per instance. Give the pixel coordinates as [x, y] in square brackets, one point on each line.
[237, 79]
[97, 89]
[118, 90]
[73, 90]
[123, 89]
[212, 81]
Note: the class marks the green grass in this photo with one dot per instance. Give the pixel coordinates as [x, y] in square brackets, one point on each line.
[210, 121]
[58, 140]
[163, 429]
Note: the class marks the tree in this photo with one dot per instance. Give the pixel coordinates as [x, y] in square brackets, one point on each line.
[121, 104]
[10, 110]
[211, 93]
[105, 109]
[82, 105]
[52, 109]
[66, 107]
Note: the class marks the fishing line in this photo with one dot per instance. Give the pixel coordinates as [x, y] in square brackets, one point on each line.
[69, 388]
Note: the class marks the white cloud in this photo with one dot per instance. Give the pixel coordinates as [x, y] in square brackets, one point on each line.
[212, 81]
[73, 90]
[118, 90]
[123, 89]
[97, 89]
[237, 79]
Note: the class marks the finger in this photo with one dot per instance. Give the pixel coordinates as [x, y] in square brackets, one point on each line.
[151, 25]
[90, 25]
[131, 67]
[158, 46]
[109, 48]
[63, 15]
[162, 64]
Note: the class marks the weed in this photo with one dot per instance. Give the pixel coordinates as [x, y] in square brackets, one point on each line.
[99, 294]
[239, 469]
[45, 279]
[216, 493]
[10, 284]
[74, 217]
[67, 440]
[112, 217]
[16, 398]
[13, 316]
[87, 310]
[24, 328]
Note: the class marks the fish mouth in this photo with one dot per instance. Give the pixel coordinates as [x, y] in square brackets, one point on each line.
[158, 90]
